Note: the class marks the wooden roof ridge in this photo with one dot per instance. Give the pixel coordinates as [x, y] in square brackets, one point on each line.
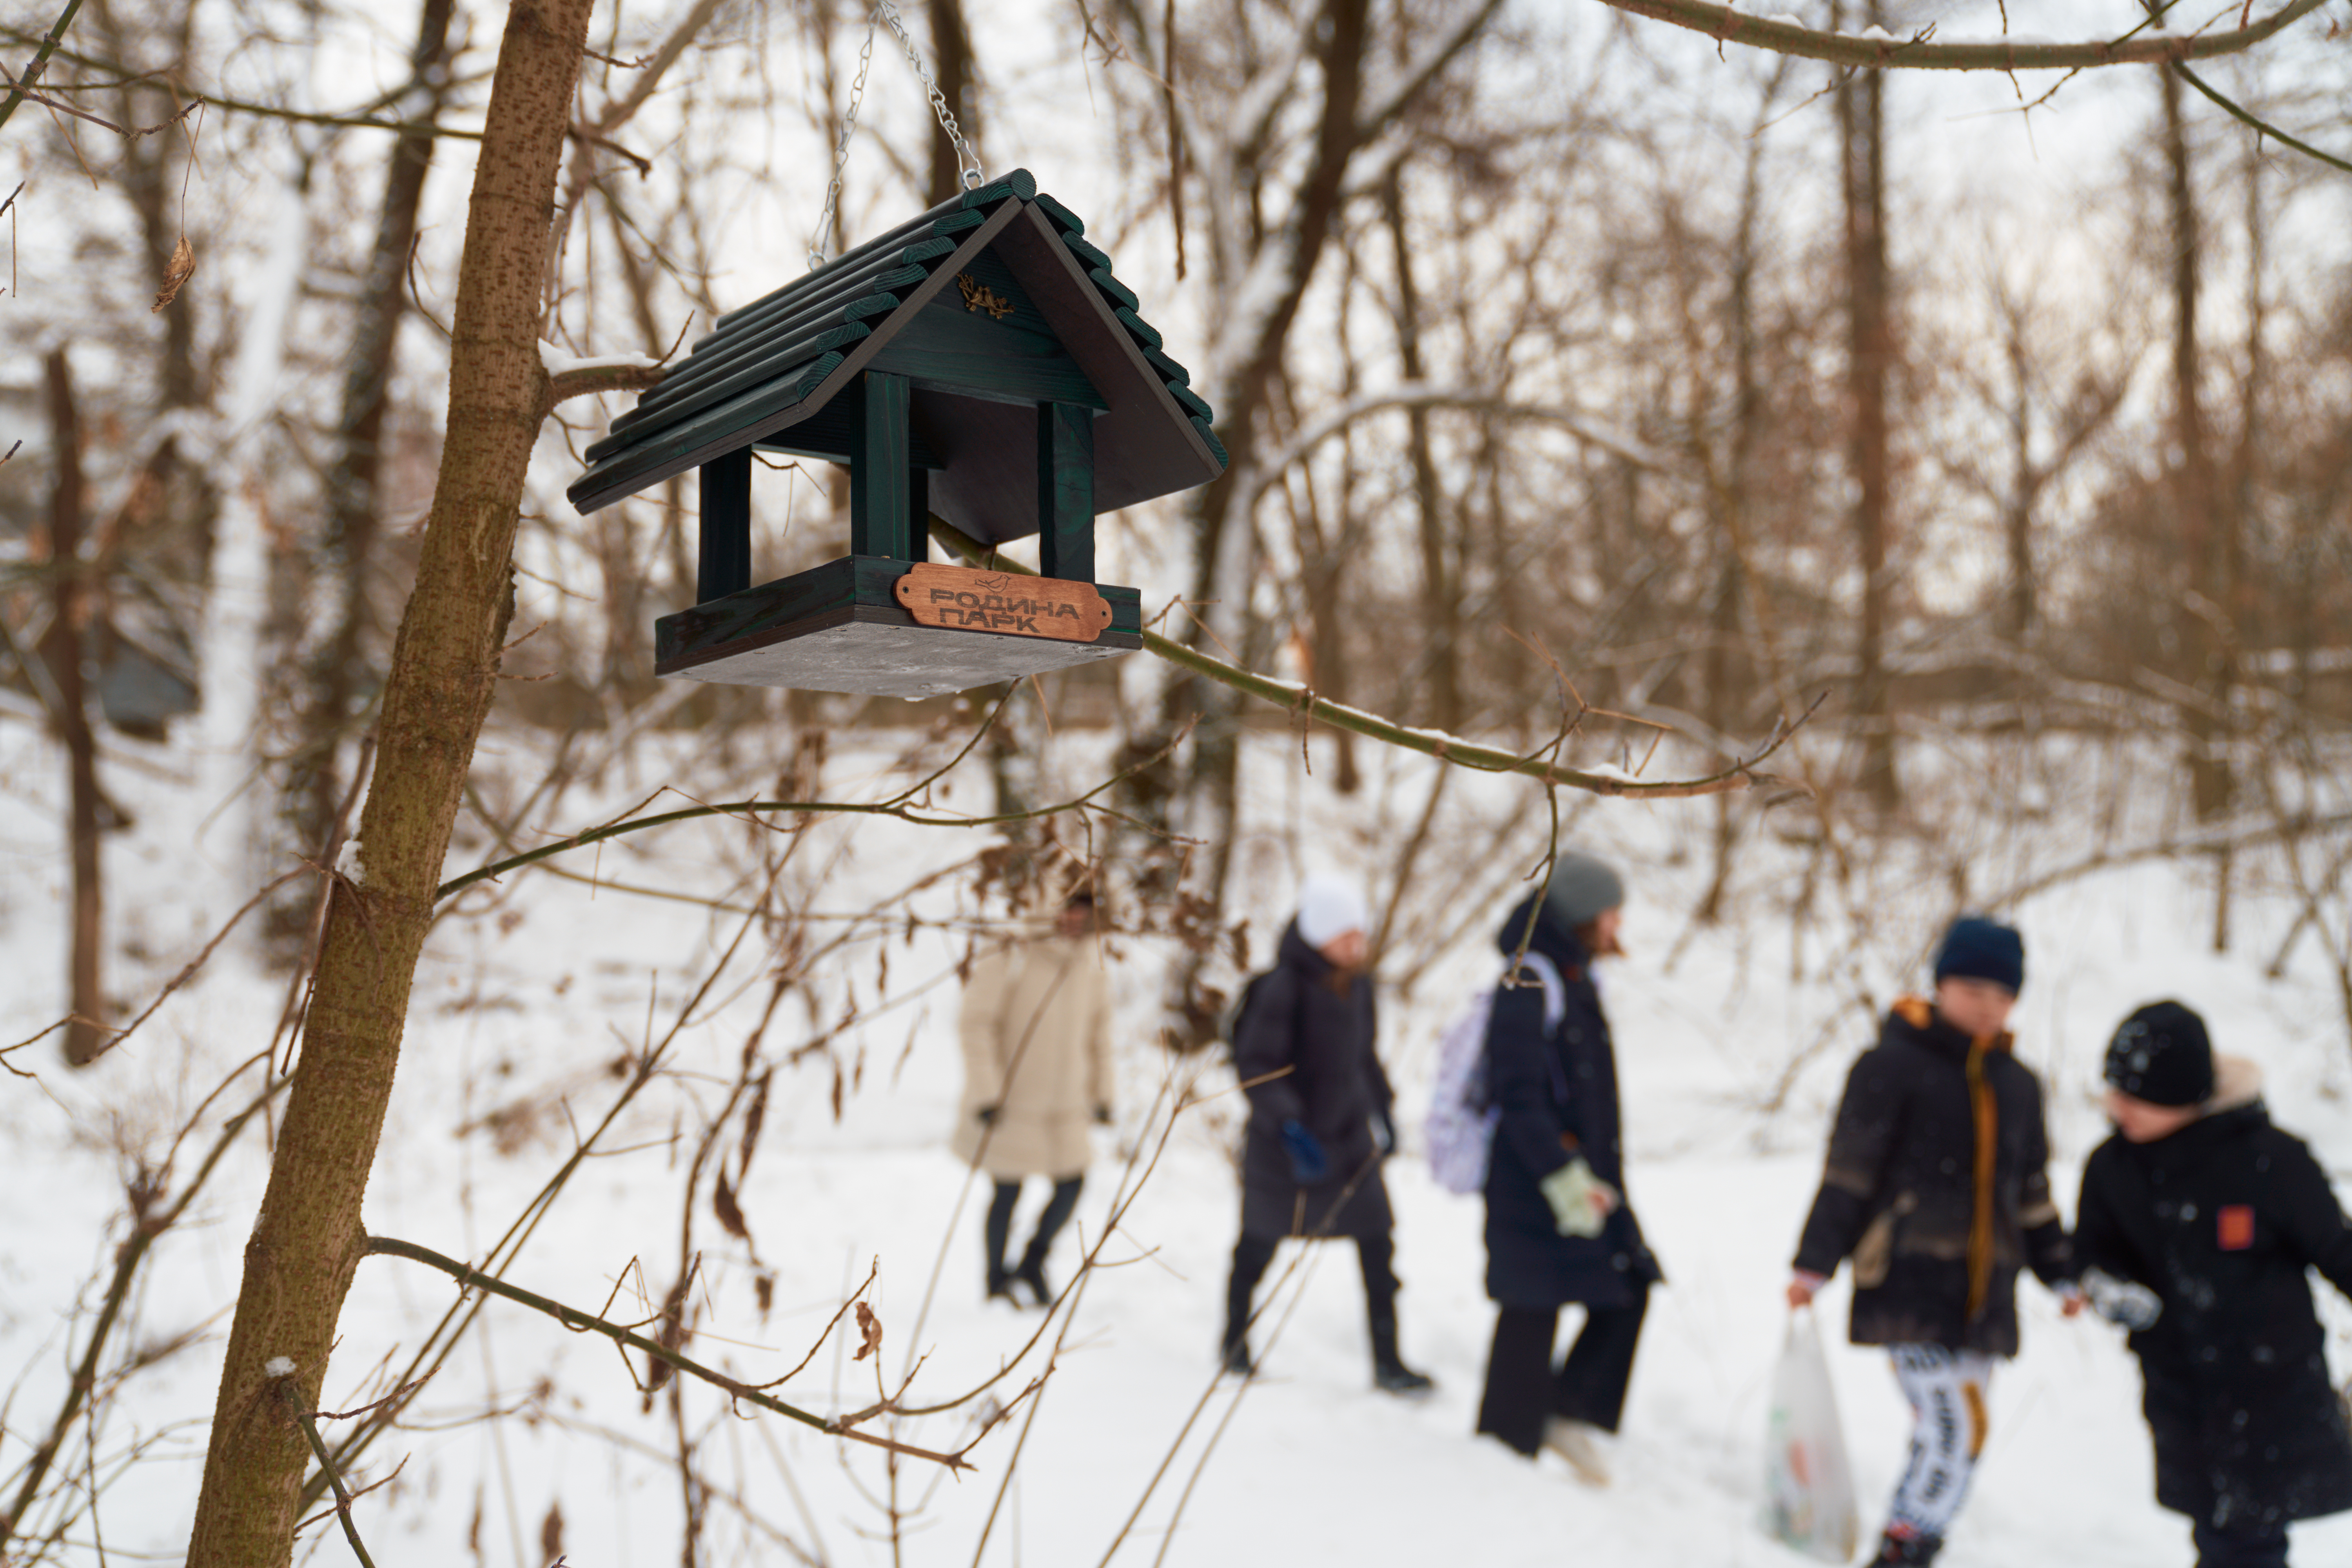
[781, 358]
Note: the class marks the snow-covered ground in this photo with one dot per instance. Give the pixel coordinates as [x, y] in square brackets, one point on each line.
[1732, 1040]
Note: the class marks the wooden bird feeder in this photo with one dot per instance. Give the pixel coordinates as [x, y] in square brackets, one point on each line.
[980, 363]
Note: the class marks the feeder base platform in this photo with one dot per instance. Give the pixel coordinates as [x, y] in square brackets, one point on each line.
[839, 627]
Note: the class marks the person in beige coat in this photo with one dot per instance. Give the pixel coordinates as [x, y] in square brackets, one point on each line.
[1036, 1059]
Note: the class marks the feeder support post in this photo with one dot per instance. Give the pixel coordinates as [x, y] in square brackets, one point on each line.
[724, 563]
[1066, 491]
[881, 467]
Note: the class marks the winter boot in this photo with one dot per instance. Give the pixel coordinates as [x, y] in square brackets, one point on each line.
[996, 1233]
[1032, 1273]
[1237, 1356]
[1572, 1441]
[1907, 1550]
[1390, 1375]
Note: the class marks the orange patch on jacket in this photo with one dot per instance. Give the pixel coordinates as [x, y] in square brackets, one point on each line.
[2236, 1224]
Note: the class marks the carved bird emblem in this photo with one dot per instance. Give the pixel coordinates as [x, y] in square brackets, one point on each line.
[979, 296]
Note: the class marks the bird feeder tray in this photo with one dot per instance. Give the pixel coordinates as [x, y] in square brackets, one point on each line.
[980, 364]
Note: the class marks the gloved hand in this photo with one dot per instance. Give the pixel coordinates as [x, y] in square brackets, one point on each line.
[2124, 1301]
[1384, 1134]
[1580, 1200]
[1102, 1114]
[1309, 1165]
[988, 1114]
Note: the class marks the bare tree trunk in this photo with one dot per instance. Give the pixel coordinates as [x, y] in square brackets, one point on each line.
[1323, 560]
[956, 72]
[1440, 592]
[2018, 524]
[151, 171]
[2205, 643]
[62, 651]
[1223, 566]
[316, 788]
[307, 1240]
[1342, 31]
[1724, 671]
[1870, 355]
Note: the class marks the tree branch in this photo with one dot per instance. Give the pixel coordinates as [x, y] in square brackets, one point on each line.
[290, 1397]
[897, 807]
[1298, 699]
[26, 83]
[578, 1321]
[1426, 70]
[588, 379]
[1725, 24]
[147, 1224]
[2261, 127]
[361, 119]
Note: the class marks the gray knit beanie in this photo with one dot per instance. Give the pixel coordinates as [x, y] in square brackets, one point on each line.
[1582, 887]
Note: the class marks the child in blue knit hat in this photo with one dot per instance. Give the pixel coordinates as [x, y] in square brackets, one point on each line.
[1936, 1189]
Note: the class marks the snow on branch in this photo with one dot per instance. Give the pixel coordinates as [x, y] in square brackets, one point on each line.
[569, 377]
[1785, 35]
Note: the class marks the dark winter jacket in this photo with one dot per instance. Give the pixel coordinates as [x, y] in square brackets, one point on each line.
[1557, 1090]
[2220, 1220]
[1303, 1016]
[1937, 1230]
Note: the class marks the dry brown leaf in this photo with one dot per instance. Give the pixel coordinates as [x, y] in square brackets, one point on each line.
[183, 262]
[730, 1212]
[869, 1328]
[753, 1120]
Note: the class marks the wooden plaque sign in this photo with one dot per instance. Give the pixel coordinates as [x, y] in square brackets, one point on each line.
[1006, 603]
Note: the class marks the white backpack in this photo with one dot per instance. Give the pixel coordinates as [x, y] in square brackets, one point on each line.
[1460, 1127]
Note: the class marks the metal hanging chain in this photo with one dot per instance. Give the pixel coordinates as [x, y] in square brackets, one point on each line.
[967, 161]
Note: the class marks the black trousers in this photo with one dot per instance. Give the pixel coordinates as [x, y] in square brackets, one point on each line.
[2245, 1545]
[1058, 1213]
[1253, 1254]
[1523, 1390]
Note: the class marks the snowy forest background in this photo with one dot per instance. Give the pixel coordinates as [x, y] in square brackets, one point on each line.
[1979, 444]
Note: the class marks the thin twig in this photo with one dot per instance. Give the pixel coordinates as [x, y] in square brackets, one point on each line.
[290, 1397]
[1289, 696]
[2263, 127]
[438, 1345]
[578, 1321]
[1725, 23]
[145, 1227]
[40, 62]
[899, 807]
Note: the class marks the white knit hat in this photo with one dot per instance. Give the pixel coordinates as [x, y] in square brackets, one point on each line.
[1331, 906]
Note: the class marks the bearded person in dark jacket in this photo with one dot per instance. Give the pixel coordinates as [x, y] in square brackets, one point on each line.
[1559, 1228]
[2198, 1222]
[1320, 1120]
[1936, 1188]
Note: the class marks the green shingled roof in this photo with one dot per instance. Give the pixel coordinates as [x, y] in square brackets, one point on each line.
[990, 302]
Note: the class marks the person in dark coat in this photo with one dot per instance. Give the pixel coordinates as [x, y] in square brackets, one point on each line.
[1559, 1230]
[1935, 1187]
[1319, 1121]
[2208, 1217]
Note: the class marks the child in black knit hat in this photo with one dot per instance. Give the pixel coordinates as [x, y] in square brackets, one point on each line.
[2198, 1221]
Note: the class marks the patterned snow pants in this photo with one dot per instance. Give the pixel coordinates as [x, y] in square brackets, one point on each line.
[1946, 1391]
